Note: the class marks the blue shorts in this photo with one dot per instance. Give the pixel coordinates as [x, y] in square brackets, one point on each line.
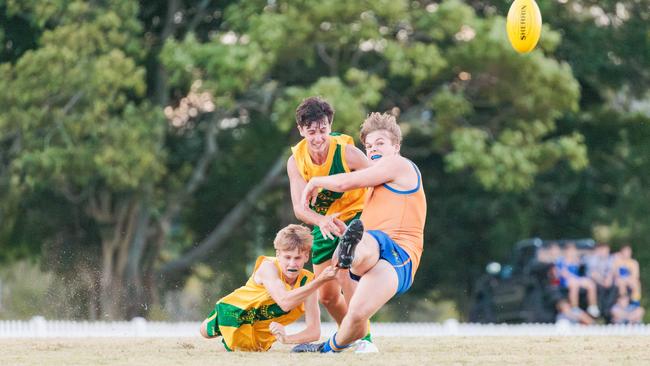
[392, 253]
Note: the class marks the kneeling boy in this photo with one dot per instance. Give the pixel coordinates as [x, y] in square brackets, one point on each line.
[279, 291]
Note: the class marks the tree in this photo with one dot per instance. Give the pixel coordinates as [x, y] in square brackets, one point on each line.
[488, 118]
[161, 128]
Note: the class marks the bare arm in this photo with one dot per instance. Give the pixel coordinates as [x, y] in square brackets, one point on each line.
[267, 275]
[355, 158]
[616, 269]
[297, 184]
[385, 171]
[312, 330]
[326, 223]
[634, 270]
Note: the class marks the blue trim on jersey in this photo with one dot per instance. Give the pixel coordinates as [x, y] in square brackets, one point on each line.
[392, 253]
[409, 191]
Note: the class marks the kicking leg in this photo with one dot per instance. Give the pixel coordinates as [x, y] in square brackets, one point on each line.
[376, 287]
[366, 255]
[348, 243]
[357, 250]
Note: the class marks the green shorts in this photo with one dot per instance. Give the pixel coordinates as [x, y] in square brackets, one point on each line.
[213, 328]
[323, 248]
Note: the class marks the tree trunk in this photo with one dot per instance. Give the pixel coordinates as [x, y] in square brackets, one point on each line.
[121, 232]
[174, 272]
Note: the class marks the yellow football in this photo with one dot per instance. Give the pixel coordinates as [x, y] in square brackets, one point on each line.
[524, 25]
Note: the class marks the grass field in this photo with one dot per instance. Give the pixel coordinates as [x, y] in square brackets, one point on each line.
[594, 350]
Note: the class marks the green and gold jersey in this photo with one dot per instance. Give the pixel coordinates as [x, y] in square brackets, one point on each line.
[348, 203]
[243, 316]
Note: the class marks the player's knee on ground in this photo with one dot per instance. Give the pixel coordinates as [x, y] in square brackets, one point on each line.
[204, 329]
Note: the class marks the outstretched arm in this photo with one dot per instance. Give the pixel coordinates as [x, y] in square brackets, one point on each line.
[312, 330]
[355, 158]
[385, 171]
[267, 275]
[326, 223]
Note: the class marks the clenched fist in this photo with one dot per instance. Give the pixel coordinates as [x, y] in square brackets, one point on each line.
[278, 331]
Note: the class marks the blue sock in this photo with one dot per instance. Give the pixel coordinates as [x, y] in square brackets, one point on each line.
[331, 345]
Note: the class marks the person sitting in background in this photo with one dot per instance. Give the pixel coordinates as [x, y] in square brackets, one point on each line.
[626, 275]
[599, 268]
[623, 312]
[570, 278]
[548, 253]
[574, 315]
[553, 296]
[279, 291]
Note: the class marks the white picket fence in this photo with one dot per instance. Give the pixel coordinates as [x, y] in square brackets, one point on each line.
[40, 327]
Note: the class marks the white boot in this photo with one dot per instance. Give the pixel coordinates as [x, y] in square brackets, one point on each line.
[363, 346]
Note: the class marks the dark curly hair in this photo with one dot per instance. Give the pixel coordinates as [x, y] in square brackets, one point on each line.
[313, 109]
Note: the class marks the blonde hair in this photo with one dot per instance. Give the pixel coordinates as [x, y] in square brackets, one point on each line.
[293, 237]
[381, 121]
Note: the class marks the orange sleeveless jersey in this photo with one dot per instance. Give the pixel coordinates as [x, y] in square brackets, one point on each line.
[400, 215]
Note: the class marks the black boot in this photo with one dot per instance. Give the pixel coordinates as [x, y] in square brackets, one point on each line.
[348, 243]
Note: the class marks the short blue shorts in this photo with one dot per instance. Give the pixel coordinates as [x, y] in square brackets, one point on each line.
[391, 252]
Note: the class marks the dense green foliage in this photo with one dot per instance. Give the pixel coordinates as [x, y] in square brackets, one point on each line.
[141, 143]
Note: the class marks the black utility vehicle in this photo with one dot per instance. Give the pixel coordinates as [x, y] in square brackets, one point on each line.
[522, 291]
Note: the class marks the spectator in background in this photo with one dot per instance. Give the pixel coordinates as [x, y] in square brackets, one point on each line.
[626, 275]
[599, 268]
[624, 312]
[549, 254]
[574, 315]
[553, 296]
[570, 278]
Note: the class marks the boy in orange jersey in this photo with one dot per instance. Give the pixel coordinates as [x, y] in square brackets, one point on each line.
[385, 257]
[279, 291]
[320, 153]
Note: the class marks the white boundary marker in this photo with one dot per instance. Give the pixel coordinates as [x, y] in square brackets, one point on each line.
[39, 327]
